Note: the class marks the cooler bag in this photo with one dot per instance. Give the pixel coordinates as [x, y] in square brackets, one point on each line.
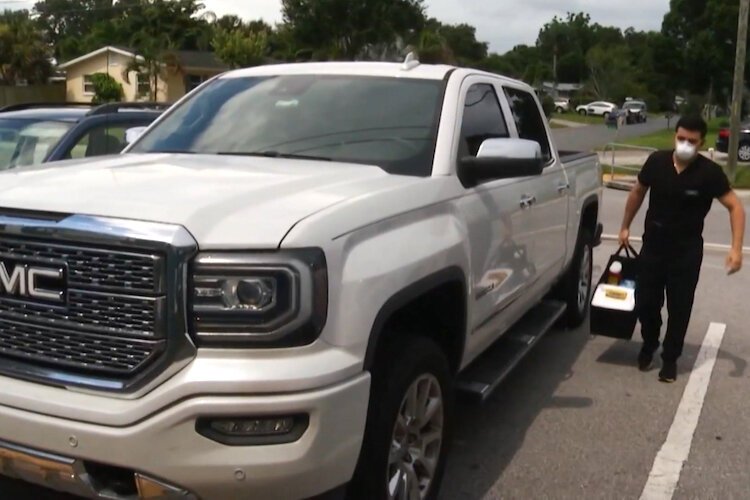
[613, 308]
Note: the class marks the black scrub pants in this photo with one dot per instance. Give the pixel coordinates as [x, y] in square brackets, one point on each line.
[674, 269]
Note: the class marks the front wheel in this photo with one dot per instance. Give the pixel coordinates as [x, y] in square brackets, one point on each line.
[404, 448]
[577, 284]
[582, 112]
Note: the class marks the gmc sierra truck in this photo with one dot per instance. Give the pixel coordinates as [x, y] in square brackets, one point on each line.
[278, 288]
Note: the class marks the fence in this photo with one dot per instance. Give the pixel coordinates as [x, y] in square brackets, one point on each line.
[10, 94]
[623, 170]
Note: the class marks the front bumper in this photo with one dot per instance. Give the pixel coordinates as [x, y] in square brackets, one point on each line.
[164, 454]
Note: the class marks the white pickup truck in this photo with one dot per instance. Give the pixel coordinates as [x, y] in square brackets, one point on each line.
[277, 289]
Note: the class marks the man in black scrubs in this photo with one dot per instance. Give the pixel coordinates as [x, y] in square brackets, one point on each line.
[683, 185]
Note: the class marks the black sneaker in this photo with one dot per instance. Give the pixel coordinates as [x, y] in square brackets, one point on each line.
[645, 359]
[668, 373]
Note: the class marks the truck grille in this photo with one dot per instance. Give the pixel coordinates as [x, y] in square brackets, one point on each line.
[93, 268]
[54, 346]
[113, 322]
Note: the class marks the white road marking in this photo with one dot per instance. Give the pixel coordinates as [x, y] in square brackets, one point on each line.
[665, 474]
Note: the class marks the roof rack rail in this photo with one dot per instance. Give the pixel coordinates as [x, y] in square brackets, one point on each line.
[114, 107]
[33, 105]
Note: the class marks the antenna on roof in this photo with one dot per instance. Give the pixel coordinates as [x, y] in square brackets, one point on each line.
[410, 62]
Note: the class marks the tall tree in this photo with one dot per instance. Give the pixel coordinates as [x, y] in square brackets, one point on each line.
[703, 34]
[241, 48]
[343, 29]
[67, 23]
[23, 53]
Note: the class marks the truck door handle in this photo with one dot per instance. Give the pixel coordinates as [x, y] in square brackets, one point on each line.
[563, 187]
[527, 201]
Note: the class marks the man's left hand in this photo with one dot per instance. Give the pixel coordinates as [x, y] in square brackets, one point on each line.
[734, 261]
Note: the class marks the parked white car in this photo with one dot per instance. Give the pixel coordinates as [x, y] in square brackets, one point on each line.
[597, 108]
[562, 105]
[274, 292]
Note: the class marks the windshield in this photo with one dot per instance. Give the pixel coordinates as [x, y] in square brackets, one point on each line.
[27, 142]
[388, 122]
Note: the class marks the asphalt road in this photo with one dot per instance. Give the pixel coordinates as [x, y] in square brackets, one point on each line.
[591, 137]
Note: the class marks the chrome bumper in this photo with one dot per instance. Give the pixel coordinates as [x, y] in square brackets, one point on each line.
[70, 476]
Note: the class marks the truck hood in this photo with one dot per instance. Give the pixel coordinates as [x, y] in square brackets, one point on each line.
[225, 202]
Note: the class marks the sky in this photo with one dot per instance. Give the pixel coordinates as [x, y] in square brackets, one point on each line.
[502, 23]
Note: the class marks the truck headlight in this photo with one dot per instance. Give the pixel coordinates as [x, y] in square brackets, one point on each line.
[274, 299]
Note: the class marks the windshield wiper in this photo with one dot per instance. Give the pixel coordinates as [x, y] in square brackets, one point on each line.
[275, 154]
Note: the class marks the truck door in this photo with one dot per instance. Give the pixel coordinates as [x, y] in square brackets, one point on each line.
[498, 221]
[548, 217]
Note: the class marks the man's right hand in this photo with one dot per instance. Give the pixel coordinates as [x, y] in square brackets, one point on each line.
[624, 238]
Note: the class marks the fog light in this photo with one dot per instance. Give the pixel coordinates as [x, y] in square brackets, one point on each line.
[249, 431]
[254, 427]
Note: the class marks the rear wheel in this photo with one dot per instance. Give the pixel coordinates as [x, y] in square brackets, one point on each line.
[743, 153]
[559, 110]
[582, 112]
[403, 453]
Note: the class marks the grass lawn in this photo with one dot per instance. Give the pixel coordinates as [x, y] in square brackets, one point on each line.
[556, 125]
[743, 177]
[664, 139]
[575, 117]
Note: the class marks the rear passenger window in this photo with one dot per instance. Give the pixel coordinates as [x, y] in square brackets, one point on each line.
[100, 141]
[528, 119]
[483, 119]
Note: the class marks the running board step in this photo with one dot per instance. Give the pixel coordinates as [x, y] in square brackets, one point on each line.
[480, 379]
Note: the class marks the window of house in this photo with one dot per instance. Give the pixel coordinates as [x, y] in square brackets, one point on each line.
[144, 85]
[88, 84]
[194, 81]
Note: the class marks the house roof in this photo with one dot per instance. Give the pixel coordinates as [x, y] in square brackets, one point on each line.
[564, 87]
[196, 59]
[109, 48]
[190, 59]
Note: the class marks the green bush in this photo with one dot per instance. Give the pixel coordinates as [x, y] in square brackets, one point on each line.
[548, 105]
[106, 89]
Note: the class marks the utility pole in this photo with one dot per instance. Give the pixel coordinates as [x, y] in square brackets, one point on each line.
[739, 88]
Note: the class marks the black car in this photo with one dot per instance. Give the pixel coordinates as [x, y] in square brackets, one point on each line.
[635, 112]
[722, 142]
[31, 134]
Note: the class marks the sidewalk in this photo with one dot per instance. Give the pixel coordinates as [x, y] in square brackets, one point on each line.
[570, 124]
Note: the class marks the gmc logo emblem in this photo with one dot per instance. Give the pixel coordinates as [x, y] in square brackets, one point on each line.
[31, 281]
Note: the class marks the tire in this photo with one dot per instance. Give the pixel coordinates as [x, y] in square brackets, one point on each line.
[582, 112]
[743, 153]
[576, 291]
[560, 110]
[606, 115]
[405, 365]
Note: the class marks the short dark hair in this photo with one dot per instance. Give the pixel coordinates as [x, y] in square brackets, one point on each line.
[694, 124]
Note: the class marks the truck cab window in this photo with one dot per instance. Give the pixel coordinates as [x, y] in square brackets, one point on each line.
[483, 119]
[529, 121]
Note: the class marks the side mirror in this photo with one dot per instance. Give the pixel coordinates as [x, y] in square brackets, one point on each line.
[502, 159]
[132, 134]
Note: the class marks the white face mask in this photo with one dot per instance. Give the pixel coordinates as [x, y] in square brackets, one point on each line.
[684, 151]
